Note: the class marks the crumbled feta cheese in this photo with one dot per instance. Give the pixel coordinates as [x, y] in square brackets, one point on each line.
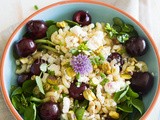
[110, 103]
[112, 87]
[45, 57]
[78, 31]
[96, 81]
[106, 51]
[99, 94]
[55, 68]
[96, 41]
[64, 116]
[66, 104]
[51, 59]
[71, 41]
[115, 70]
[84, 79]
[89, 27]
[45, 75]
[110, 77]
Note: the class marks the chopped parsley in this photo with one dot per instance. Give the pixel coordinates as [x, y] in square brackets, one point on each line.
[36, 7]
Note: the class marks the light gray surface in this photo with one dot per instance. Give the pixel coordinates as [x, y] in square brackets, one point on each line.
[14, 11]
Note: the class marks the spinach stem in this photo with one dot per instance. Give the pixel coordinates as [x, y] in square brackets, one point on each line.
[44, 41]
[34, 99]
[48, 48]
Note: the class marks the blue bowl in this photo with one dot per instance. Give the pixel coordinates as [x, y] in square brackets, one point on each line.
[100, 12]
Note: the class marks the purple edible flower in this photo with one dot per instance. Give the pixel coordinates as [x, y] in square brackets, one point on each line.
[81, 64]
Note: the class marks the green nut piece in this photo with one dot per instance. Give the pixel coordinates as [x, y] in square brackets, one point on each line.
[89, 95]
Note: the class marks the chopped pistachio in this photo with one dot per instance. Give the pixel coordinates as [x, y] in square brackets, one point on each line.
[142, 66]
[52, 80]
[24, 60]
[106, 68]
[130, 69]
[89, 95]
[71, 115]
[114, 114]
[70, 72]
[126, 76]
[61, 24]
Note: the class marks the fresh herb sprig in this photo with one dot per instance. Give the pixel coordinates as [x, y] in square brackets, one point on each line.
[120, 30]
[128, 101]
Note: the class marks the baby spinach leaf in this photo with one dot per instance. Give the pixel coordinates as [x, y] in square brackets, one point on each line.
[16, 101]
[132, 94]
[71, 23]
[50, 22]
[30, 112]
[127, 28]
[28, 86]
[125, 108]
[84, 104]
[79, 113]
[138, 104]
[39, 84]
[118, 21]
[119, 95]
[51, 30]
[17, 91]
[134, 33]
[24, 101]
[123, 115]
[117, 28]
[13, 87]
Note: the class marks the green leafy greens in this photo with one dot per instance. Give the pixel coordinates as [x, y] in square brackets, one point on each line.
[120, 30]
[128, 100]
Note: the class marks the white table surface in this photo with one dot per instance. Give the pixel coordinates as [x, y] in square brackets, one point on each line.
[12, 12]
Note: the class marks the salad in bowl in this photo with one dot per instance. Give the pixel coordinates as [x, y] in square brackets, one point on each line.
[79, 70]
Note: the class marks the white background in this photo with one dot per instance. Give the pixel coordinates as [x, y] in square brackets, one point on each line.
[12, 12]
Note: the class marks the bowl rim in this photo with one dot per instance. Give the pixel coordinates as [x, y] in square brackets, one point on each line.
[4, 91]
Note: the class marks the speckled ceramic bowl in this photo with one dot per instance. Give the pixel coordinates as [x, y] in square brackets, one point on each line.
[101, 12]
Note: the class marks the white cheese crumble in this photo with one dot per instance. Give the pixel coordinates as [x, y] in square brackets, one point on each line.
[45, 57]
[84, 79]
[51, 59]
[99, 94]
[71, 41]
[77, 30]
[106, 51]
[96, 41]
[55, 68]
[112, 87]
[66, 105]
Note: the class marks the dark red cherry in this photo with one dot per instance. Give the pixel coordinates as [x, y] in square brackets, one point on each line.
[49, 111]
[76, 92]
[35, 67]
[25, 47]
[36, 29]
[117, 57]
[136, 46]
[142, 82]
[82, 17]
[22, 78]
